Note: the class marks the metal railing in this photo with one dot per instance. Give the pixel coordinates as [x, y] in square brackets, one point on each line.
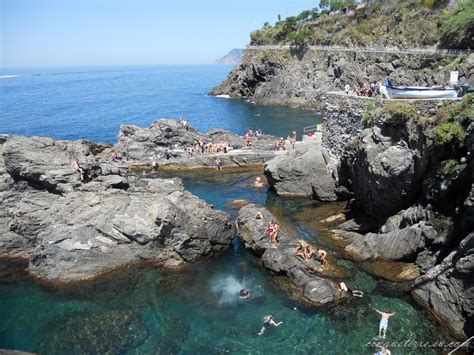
[430, 51]
[313, 128]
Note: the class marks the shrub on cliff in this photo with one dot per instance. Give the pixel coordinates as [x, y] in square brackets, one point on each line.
[449, 133]
[457, 29]
[398, 113]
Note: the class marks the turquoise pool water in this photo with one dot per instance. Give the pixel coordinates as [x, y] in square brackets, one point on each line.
[144, 310]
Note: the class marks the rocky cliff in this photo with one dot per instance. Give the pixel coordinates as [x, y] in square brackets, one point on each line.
[300, 76]
[411, 174]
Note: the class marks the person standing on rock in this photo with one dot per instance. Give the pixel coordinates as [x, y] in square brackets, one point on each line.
[218, 164]
[347, 88]
[76, 167]
[383, 321]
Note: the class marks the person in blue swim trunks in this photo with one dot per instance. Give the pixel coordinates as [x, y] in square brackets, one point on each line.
[383, 321]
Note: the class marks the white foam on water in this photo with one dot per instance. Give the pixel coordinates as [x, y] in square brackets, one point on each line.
[227, 288]
[9, 76]
[223, 96]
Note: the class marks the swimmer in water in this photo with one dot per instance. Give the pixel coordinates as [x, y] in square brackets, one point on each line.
[383, 321]
[267, 322]
[258, 182]
[244, 294]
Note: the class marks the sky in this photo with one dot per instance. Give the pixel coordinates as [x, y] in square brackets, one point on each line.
[37, 33]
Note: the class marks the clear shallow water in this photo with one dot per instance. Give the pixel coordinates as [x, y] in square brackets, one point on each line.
[198, 311]
[92, 103]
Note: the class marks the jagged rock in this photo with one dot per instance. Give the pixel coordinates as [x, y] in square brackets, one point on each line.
[46, 162]
[282, 260]
[448, 288]
[105, 223]
[301, 172]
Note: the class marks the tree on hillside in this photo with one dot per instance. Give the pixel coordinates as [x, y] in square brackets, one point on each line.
[335, 4]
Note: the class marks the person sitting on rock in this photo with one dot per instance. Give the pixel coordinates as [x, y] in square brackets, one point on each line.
[322, 256]
[274, 236]
[355, 293]
[259, 215]
[299, 251]
[308, 252]
[76, 167]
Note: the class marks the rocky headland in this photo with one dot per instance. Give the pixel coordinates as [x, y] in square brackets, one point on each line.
[71, 230]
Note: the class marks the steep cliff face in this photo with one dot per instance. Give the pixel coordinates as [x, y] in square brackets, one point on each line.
[412, 178]
[299, 76]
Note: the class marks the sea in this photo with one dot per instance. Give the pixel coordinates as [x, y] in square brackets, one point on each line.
[147, 310]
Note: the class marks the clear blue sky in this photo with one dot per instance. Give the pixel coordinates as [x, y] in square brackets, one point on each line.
[113, 32]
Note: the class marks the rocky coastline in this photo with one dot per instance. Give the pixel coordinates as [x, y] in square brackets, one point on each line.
[72, 229]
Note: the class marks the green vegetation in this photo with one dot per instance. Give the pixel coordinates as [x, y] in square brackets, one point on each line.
[457, 28]
[398, 112]
[335, 4]
[449, 133]
[451, 169]
[404, 23]
[368, 110]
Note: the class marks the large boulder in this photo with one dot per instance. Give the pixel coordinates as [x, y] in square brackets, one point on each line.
[301, 172]
[282, 259]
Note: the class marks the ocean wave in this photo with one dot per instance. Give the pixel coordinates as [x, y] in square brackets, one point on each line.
[223, 96]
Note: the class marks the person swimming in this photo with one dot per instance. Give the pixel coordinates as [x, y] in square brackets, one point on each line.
[267, 322]
[244, 293]
[383, 321]
[258, 182]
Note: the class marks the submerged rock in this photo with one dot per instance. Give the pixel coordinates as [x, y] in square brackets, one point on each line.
[72, 230]
[282, 259]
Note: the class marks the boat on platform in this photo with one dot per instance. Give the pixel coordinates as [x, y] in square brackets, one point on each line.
[420, 92]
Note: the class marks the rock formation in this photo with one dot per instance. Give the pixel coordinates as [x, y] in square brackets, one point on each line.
[140, 143]
[282, 259]
[301, 172]
[71, 229]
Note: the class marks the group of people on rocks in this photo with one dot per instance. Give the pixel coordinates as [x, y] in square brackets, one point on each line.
[306, 252]
[120, 157]
[280, 143]
[200, 147]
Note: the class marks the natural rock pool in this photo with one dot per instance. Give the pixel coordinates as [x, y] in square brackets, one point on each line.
[143, 309]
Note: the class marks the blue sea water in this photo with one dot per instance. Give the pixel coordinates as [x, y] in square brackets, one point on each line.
[92, 103]
[145, 310]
